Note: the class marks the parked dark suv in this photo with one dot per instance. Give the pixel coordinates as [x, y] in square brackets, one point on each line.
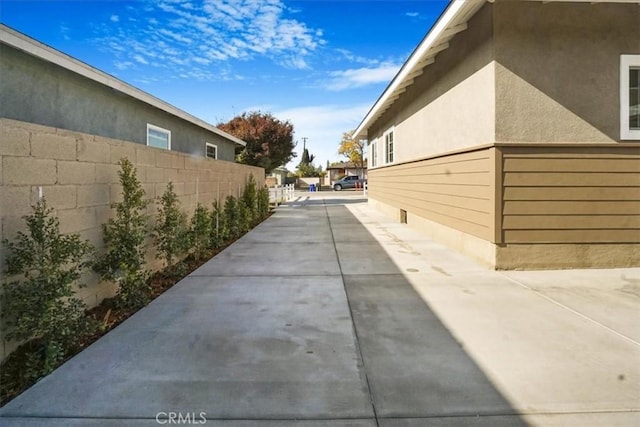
[349, 182]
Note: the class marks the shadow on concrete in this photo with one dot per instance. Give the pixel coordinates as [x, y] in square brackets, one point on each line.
[305, 321]
[417, 372]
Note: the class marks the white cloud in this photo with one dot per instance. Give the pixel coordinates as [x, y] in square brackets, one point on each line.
[64, 31]
[123, 65]
[196, 33]
[359, 77]
[350, 56]
[177, 37]
[140, 59]
[294, 62]
[412, 14]
[323, 126]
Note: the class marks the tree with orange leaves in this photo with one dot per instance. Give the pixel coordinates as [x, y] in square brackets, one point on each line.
[353, 149]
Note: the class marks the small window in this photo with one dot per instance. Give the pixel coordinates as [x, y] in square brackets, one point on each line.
[372, 155]
[388, 142]
[630, 97]
[158, 137]
[211, 151]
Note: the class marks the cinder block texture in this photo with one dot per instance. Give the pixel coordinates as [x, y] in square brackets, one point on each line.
[53, 146]
[93, 195]
[74, 172]
[92, 151]
[78, 175]
[15, 142]
[60, 196]
[28, 171]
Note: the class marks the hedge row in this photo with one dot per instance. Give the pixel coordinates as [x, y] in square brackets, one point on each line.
[41, 305]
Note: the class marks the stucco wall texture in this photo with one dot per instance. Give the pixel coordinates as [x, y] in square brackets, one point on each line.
[78, 175]
[451, 106]
[538, 85]
[520, 72]
[35, 91]
[558, 69]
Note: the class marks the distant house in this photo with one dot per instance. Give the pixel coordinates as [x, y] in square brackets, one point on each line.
[338, 170]
[512, 134]
[44, 86]
[277, 177]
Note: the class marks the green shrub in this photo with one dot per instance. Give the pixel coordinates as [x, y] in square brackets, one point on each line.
[244, 217]
[219, 232]
[200, 231]
[250, 201]
[232, 218]
[263, 202]
[171, 233]
[124, 238]
[42, 305]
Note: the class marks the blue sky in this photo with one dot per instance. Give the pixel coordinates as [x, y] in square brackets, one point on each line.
[320, 64]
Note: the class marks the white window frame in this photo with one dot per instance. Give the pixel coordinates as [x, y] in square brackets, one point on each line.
[208, 144]
[373, 160]
[385, 138]
[627, 62]
[159, 129]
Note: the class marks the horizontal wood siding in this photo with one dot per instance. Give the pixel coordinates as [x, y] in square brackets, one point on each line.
[455, 190]
[571, 194]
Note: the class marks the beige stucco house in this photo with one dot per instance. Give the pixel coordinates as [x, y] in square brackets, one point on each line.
[512, 133]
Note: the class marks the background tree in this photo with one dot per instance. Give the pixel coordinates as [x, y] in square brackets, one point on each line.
[308, 170]
[269, 140]
[306, 166]
[353, 149]
[307, 158]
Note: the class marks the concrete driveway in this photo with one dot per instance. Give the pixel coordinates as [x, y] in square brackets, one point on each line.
[328, 314]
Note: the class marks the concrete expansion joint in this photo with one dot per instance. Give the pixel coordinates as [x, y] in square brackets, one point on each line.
[565, 307]
[582, 412]
[195, 274]
[353, 323]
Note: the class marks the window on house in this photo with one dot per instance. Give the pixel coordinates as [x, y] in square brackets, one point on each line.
[630, 97]
[211, 151]
[158, 137]
[388, 142]
[372, 155]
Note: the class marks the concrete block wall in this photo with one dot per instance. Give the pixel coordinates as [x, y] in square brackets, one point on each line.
[78, 175]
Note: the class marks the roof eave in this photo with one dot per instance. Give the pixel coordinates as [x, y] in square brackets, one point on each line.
[433, 43]
[22, 42]
[450, 22]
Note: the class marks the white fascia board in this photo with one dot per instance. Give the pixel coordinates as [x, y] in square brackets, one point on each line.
[431, 40]
[22, 42]
[423, 54]
[588, 1]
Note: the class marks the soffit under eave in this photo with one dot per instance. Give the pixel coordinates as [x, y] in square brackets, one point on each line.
[457, 24]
